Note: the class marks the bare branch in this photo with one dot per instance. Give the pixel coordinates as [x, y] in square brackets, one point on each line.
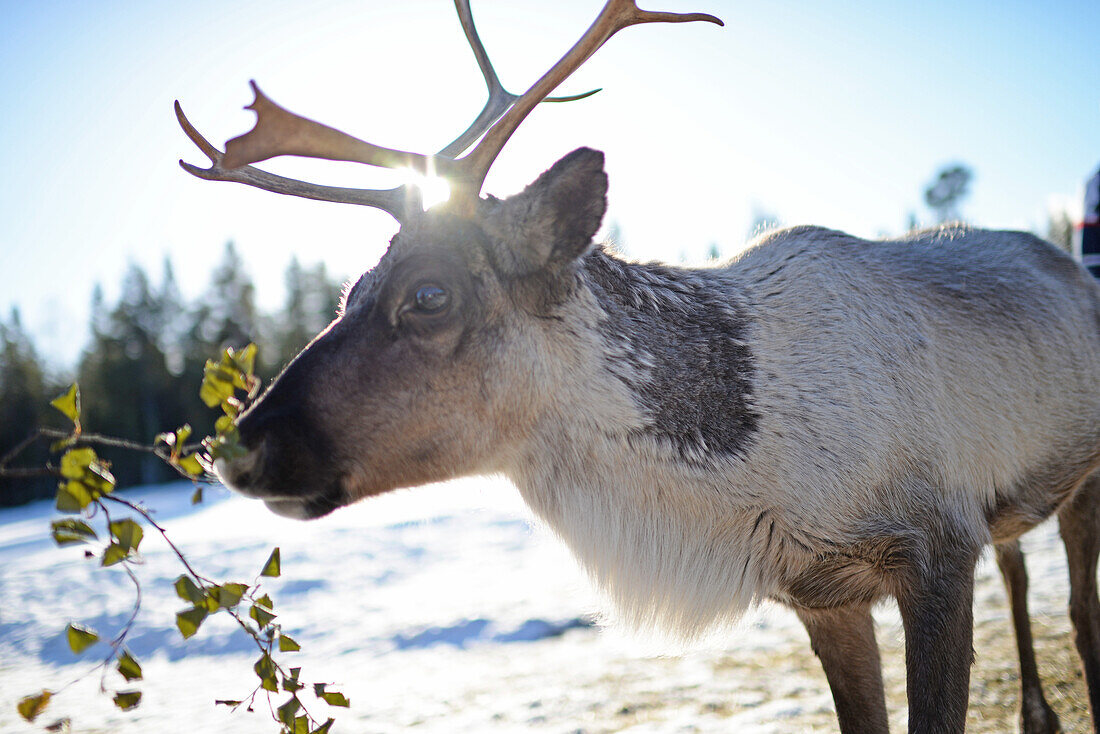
[83, 438]
[163, 533]
[7, 472]
[20, 448]
[28, 473]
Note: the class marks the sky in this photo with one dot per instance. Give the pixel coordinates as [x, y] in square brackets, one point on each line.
[830, 113]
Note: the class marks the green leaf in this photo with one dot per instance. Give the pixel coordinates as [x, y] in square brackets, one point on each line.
[287, 710]
[334, 698]
[226, 702]
[75, 462]
[225, 369]
[222, 447]
[210, 395]
[115, 553]
[323, 728]
[69, 403]
[127, 700]
[64, 724]
[189, 621]
[265, 670]
[128, 533]
[272, 566]
[224, 425]
[211, 601]
[301, 725]
[196, 498]
[244, 358]
[191, 465]
[217, 384]
[67, 531]
[287, 644]
[232, 407]
[72, 496]
[261, 615]
[229, 595]
[99, 477]
[188, 590]
[318, 689]
[128, 666]
[62, 444]
[290, 682]
[80, 637]
[30, 707]
[265, 601]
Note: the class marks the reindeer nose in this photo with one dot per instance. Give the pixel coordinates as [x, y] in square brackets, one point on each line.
[279, 443]
[263, 420]
[241, 474]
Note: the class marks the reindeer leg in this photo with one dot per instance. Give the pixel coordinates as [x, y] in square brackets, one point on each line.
[1036, 715]
[844, 640]
[1079, 521]
[936, 604]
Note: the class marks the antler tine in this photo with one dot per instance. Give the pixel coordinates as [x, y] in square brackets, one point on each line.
[616, 15]
[499, 100]
[393, 201]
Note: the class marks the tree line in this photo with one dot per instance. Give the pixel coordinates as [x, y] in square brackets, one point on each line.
[141, 370]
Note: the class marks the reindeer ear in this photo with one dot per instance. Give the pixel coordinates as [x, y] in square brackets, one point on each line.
[552, 221]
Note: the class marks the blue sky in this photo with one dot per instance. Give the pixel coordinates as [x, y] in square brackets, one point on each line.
[819, 112]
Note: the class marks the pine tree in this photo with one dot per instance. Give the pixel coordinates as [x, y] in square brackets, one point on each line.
[227, 316]
[128, 390]
[311, 300]
[23, 408]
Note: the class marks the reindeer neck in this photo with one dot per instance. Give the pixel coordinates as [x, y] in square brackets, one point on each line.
[627, 464]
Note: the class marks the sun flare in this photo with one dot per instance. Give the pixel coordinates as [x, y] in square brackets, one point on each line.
[433, 189]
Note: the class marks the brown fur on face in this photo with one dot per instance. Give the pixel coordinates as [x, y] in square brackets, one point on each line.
[394, 395]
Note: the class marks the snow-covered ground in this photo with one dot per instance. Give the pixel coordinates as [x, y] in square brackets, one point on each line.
[441, 609]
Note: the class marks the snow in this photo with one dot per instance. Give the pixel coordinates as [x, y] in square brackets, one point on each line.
[443, 609]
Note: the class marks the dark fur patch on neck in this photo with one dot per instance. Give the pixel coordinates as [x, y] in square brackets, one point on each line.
[676, 338]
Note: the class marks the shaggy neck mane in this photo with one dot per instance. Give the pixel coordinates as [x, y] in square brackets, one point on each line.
[629, 469]
[677, 342]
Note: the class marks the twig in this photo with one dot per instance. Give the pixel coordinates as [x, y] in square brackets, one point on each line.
[116, 643]
[20, 447]
[163, 533]
[28, 473]
[78, 438]
[137, 607]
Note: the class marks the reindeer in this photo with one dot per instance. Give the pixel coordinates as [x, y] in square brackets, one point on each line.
[824, 421]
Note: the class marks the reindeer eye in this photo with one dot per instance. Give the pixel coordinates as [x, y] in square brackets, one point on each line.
[431, 298]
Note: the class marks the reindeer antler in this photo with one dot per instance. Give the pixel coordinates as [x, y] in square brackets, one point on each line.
[388, 200]
[281, 132]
